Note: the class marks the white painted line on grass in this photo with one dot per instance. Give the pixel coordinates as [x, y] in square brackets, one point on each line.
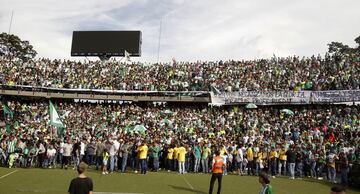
[187, 182]
[113, 193]
[8, 174]
[31, 191]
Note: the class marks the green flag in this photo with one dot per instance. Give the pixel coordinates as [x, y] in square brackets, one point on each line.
[8, 111]
[54, 117]
[8, 128]
[16, 125]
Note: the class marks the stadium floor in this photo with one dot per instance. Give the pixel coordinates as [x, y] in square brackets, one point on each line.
[56, 181]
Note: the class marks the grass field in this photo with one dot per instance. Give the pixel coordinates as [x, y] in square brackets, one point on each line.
[56, 181]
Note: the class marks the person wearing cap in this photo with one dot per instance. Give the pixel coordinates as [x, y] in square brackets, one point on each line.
[81, 184]
[217, 171]
[265, 183]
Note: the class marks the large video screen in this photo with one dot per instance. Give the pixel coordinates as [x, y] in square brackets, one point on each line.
[113, 43]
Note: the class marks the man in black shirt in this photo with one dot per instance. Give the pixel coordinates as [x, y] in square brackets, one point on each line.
[81, 184]
[290, 154]
[344, 168]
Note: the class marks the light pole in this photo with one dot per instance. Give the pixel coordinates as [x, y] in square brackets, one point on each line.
[158, 54]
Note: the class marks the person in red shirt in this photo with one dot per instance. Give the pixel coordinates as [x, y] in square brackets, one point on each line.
[217, 171]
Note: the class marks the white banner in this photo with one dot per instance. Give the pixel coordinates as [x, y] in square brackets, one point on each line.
[266, 97]
[335, 96]
[287, 97]
[228, 98]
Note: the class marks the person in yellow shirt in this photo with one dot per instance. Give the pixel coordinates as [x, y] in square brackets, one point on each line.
[331, 160]
[273, 157]
[143, 151]
[223, 151]
[170, 153]
[224, 154]
[250, 159]
[283, 159]
[181, 158]
[175, 156]
[259, 161]
[105, 156]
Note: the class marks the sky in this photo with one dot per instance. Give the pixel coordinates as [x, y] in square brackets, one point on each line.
[192, 30]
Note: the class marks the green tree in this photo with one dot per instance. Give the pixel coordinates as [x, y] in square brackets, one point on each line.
[338, 48]
[12, 46]
[357, 40]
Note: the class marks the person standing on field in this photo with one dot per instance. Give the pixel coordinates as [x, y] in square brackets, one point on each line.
[217, 171]
[81, 184]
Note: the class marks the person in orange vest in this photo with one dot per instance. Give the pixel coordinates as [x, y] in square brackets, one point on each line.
[217, 171]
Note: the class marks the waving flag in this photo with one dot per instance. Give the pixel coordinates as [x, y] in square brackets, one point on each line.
[8, 111]
[54, 117]
[127, 56]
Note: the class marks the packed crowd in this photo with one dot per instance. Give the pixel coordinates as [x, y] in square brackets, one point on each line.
[316, 141]
[292, 73]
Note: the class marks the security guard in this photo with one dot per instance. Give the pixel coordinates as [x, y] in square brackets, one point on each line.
[217, 171]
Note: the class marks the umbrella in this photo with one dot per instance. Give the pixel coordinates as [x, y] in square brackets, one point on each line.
[250, 106]
[139, 128]
[287, 111]
[166, 121]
